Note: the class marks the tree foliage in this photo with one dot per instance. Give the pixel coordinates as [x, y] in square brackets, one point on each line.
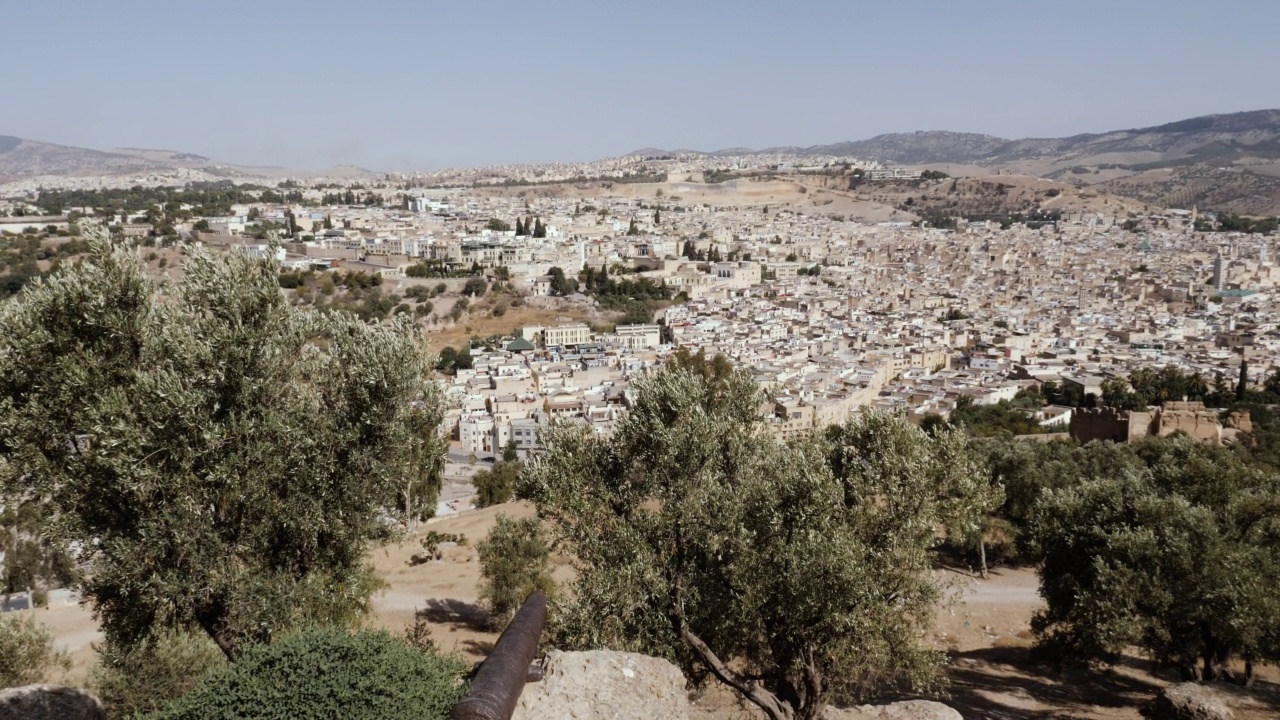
[1179, 555]
[451, 360]
[1002, 418]
[794, 573]
[475, 287]
[514, 562]
[27, 654]
[153, 673]
[494, 487]
[1156, 386]
[219, 456]
[561, 284]
[1027, 469]
[327, 673]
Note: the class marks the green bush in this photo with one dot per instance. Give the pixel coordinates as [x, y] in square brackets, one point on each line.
[494, 487]
[326, 672]
[514, 561]
[147, 677]
[26, 651]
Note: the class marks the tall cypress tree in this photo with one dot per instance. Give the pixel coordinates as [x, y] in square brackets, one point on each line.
[1242, 386]
[520, 227]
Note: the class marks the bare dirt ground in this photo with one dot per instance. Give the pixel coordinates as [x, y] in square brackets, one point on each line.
[442, 592]
[439, 337]
[986, 631]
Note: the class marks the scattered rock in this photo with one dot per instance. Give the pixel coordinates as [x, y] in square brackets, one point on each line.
[906, 710]
[1191, 701]
[49, 702]
[605, 684]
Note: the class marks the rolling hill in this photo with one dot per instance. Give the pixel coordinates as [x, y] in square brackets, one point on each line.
[22, 159]
[1227, 162]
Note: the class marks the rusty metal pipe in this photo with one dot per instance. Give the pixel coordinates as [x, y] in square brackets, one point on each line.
[501, 677]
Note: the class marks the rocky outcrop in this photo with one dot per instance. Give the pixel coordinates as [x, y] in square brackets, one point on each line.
[1240, 420]
[1191, 701]
[605, 684]
[906, 710]
[49, 702]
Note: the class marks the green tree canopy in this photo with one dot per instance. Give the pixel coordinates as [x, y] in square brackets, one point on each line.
[498, 485]
[475, 287]
[793, 573]
[561, 284]
[514, 562]
[1179, 556]
[220, 457]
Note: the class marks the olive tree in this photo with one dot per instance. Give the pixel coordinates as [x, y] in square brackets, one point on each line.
[220, 459]
[1180, 556]
[515, 560]
[794, 573]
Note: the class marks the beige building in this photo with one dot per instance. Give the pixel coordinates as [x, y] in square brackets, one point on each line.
[791, 418]
[564, 335]
[636, 337]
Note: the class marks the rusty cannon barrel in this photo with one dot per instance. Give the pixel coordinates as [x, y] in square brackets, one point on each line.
[501, 677]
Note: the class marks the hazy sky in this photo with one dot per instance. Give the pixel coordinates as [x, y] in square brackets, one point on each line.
[400, 84]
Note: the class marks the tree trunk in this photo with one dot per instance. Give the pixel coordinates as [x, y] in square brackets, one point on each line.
[408, 507]
[1247, 680]
[1210, 672]
[1222, 664]
[982, 555]
[219, 635]
[771, 704]
[815, 688]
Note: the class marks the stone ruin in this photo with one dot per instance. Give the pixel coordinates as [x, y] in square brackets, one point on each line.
[1124, 426]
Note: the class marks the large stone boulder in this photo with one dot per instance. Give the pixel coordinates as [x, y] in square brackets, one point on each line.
[49, 702]
[1191, 701]
[605, 684]
[906, 710]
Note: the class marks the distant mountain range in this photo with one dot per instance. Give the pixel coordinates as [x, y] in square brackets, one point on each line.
[1228, 162]
[22, 159]
[1218, 137]
[1225, 162]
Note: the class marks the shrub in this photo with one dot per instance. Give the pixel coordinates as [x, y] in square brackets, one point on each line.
[147, 677]
[418, 292]
[514, 561]
[326, 672]
[26, 651]
[434, 538]
[496, 486]
[475, 287]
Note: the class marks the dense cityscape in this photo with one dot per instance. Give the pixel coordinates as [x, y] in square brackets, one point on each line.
[592, 361]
